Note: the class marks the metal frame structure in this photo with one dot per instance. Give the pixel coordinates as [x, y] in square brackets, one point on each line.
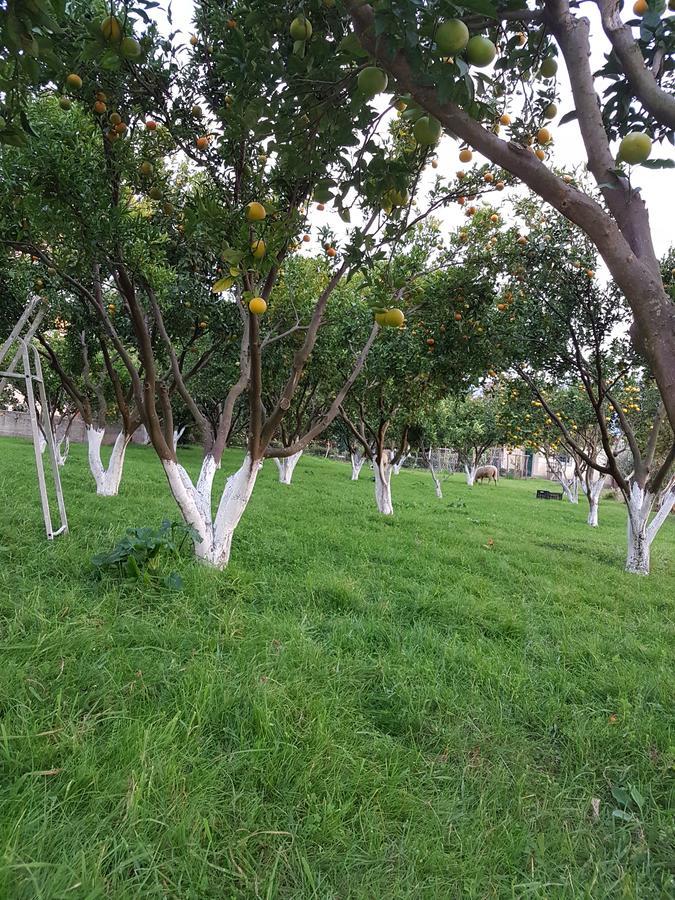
[23, 334]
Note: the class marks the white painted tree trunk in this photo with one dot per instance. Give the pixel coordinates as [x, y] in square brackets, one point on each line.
[43, 443]
[215, 534]
[437, 484]
[62, 449]
[641, 532]
[382, 470]
[142, 436]
[470, 474]
[396, 468]
[177, 435]
[593, 497]
[107, 480]
[357, 464]
[286, 467]
[570, 487]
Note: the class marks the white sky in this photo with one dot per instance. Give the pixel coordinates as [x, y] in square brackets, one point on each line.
[567, 152]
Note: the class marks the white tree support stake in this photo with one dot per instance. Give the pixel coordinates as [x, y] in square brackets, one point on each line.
[34, 312]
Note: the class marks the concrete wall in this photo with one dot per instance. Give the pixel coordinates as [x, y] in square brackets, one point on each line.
[16, 423]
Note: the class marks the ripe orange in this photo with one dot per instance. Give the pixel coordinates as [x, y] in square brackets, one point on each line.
[393, 318]
[257, 306]
[330, 251]
[258, 249]
[465, 155]
[151, 125]
[500, 185]
[505, 119]
[202, 142]
[306, 238]
[111, 29]
[99, 107]
[255, 212]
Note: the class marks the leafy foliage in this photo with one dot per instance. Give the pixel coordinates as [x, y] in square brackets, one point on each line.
[138, 556]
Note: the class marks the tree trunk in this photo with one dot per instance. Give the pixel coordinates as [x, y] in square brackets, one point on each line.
[177, 435]
[470, 474]
[107, 480]
[214, 535]
[641, 532]
[286, 466]
[357, 464]
[382, 470]
[142, 435]
[437, 483]
[396, 468]
[62, 449]
[638, 556]
[570, 487]
[593, 496]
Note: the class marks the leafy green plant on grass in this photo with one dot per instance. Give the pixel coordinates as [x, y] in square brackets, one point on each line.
[138, 556]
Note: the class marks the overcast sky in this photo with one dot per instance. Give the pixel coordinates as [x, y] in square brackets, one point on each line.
[658, 186]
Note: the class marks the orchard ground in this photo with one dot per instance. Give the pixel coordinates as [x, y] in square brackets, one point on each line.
[468, 699]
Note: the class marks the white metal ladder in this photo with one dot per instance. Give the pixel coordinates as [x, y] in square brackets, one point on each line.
[23, 333]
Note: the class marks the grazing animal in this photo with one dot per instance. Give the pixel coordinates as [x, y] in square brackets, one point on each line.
[489, 472]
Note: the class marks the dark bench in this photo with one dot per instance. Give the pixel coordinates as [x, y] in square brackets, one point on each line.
[549, 495]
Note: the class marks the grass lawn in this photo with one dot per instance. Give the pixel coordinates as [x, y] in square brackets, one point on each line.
[427, 706]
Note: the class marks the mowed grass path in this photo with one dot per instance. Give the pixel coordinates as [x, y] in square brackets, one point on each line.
[423, 707]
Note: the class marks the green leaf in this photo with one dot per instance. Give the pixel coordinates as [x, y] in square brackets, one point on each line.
[484, 7]
[223, 284]
[568, 117]
[621, 796]
[638, 799]
[659, 164]
[620, 814]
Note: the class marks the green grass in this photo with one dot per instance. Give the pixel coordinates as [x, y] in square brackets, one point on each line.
[421, 707]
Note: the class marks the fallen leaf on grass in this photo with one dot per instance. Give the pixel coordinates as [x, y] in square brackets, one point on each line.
[595, 808]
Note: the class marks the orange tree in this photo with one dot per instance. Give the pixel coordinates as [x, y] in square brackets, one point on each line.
[407, 374]
[79, 356]
[199, 169]
[472, 427]
[529, 425]
[576, 333]
[445, 66]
